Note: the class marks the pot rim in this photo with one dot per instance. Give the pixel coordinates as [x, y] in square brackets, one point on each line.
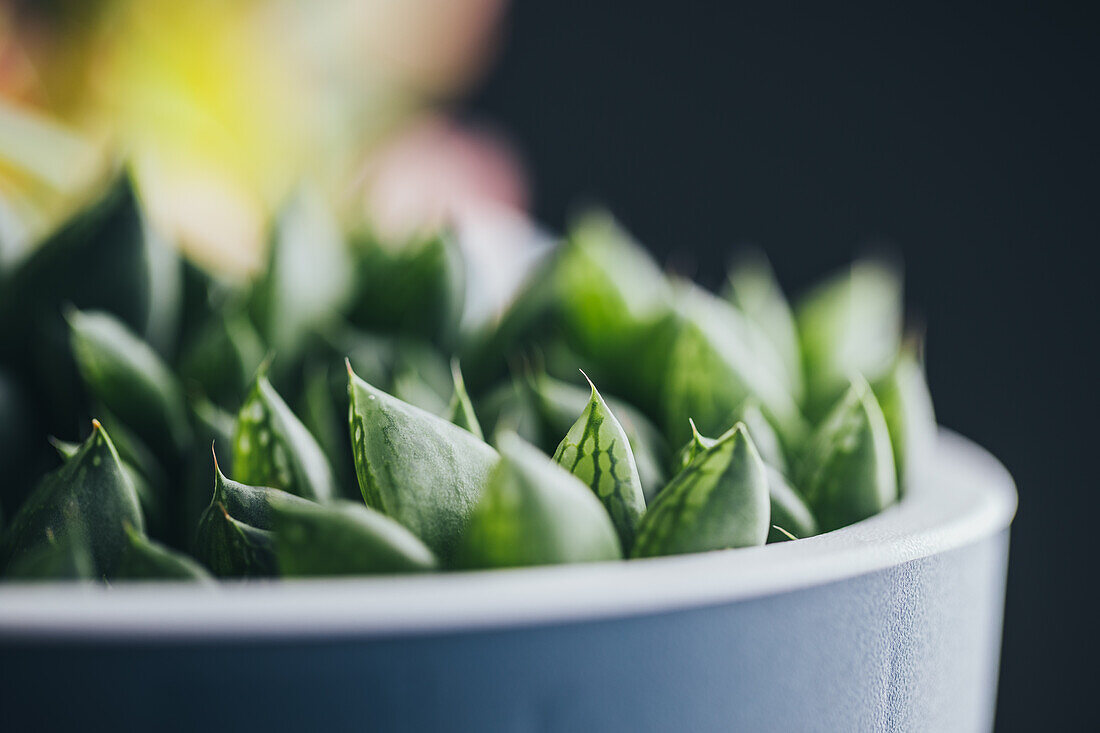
[963, 496]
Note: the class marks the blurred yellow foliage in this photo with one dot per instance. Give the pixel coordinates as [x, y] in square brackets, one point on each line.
[221, 106]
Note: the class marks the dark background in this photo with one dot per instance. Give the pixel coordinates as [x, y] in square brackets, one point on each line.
[964, 137]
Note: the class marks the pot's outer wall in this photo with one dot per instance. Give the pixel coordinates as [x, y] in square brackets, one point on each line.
[909, 648]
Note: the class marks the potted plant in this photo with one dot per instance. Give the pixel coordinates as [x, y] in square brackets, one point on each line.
[745, 518]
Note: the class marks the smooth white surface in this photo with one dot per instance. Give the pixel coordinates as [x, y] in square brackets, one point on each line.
[964, 497]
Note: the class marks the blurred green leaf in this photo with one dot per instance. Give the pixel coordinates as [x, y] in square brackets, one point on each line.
[849, 324]
[130, 379]
[533, 512]
[907, 407]
[144, 559]
[847, 472]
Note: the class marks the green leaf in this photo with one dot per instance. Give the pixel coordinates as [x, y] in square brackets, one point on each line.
[323, 406]
[597, 451]
[717, 362]
[559, 402]
[273, 448]
[95, 259]
[847, 472]
[344, 538]
[64, 556]
[234, 535]
[760, 430]
[849, 324]
[144, 559]
[416, 288]
[308, 278]
[461, 411]
[151, 499]
[23, 455]
[533, 512]
[223, 356]
[763, 434]
[719, 501]
[788, 510]
[213, 426]
[510, 407]
[695, 447]
[753, 288]
[607, 284]
[250, 504]
[418, 468]
[89, 494]
[615, 307]
[129, 378]
[907, 407]
[234, 549]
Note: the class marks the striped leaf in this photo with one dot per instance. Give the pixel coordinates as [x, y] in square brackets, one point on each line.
[597, 451]
[720, 500]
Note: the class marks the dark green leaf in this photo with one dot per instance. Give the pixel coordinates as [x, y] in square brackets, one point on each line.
[344, 538]
[416, 288]
[233, 549]
[151, 499]
[250, 504]
[847, 473]
[129, 378]
[273, 448]
[324, 411]
[418, 468]
[144, 559]
[234, 533]
[597, 451]
[533, 512]
[223, 357]
[96, 259]
[94, 489]
[719, 501]
[64, 556]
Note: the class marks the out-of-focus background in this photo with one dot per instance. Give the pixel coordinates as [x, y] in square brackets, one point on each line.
[965, 136]
[961, 137]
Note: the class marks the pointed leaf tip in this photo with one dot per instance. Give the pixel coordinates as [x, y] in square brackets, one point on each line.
[590, 383]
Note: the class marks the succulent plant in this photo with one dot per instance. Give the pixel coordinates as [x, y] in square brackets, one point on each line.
[324, 386]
